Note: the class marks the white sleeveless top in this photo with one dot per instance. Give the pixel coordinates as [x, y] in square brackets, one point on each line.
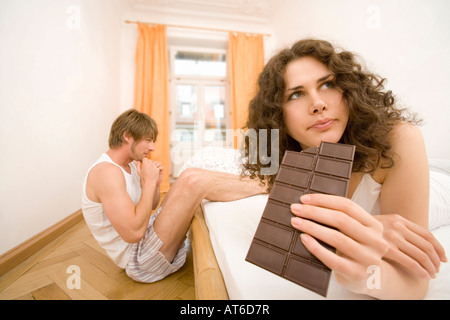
[99, 224]
[367, 194]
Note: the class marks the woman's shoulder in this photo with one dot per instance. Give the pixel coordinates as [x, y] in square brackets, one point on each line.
[405, 133]
[407, 144]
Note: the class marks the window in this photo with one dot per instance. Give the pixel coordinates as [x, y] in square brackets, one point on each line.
[207, 64]
[199, 102]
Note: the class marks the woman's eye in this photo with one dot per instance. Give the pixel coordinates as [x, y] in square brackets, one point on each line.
[328, 85]
[295, 95]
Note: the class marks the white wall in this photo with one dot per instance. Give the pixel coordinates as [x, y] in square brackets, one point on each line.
[59, 93]
[405, 41]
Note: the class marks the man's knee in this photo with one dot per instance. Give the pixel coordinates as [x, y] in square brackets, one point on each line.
[193, 179]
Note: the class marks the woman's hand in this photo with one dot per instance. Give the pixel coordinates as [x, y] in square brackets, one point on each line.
[357, 237]
[412, 246]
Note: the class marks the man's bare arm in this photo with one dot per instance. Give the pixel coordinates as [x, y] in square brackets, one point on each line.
[129, 220]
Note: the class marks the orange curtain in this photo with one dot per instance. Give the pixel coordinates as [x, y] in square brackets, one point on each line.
[152, 89]
[246, 61]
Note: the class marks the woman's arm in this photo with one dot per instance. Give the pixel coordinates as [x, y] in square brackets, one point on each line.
[404, 203]
[406, 186]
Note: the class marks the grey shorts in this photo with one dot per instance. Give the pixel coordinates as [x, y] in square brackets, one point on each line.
[146, 263]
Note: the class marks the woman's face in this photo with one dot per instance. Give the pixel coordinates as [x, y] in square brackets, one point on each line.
[314, 107]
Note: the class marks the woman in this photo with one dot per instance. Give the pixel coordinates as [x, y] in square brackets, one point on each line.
[313, 93]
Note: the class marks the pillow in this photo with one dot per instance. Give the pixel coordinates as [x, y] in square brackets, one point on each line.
[440, 165]
[439, 210]
[216, 159]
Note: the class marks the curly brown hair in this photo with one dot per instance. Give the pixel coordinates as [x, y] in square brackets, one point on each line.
[372, 109]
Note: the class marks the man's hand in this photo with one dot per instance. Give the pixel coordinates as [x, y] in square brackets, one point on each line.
[161, 172]
[149, 171]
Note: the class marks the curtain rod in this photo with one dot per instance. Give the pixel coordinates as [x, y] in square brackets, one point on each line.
[197, 28]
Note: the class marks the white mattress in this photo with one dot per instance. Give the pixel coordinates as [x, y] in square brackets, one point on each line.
[232, 226]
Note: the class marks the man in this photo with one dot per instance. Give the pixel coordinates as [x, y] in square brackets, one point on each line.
[122, 188]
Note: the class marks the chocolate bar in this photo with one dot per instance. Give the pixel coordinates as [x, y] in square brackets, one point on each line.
[276, 245]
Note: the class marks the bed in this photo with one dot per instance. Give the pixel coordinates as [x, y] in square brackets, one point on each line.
[221, 233]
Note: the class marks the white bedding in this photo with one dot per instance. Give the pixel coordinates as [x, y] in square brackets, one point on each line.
[232, 226]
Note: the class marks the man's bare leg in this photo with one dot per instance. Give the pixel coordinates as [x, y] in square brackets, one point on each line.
[186, 194]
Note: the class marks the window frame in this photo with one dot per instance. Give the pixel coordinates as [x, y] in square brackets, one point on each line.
[201, 81]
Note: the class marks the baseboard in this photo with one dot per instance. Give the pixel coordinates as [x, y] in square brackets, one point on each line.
[23, 251]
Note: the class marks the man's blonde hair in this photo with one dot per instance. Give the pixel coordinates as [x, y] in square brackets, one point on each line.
[134, 123]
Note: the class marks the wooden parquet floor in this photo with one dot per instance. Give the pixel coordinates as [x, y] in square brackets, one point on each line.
[45, 275]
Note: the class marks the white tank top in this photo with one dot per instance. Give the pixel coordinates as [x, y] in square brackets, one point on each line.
[367, 194]
[99, 224]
